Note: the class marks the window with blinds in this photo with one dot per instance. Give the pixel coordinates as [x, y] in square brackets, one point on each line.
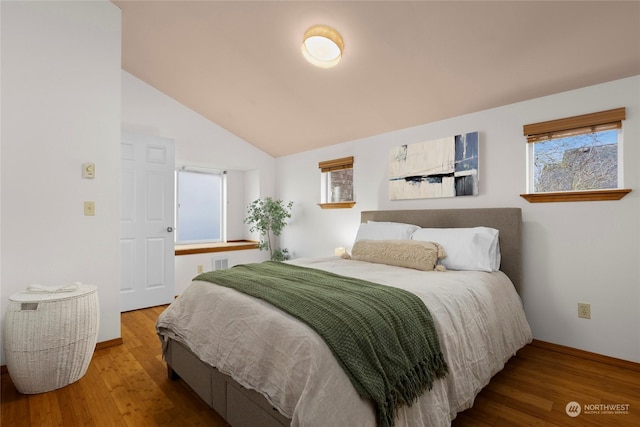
[575, 154]
[336, 184]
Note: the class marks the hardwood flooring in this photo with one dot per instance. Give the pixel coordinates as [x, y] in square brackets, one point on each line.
[127, 385]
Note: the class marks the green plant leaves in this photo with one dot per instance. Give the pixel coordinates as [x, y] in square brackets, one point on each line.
[268, 217]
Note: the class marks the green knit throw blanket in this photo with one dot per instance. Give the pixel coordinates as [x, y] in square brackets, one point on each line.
[383, 337]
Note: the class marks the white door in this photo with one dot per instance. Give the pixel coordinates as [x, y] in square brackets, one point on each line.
[146, 221]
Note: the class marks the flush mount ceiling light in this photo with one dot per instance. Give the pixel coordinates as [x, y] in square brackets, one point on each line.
[322, 46]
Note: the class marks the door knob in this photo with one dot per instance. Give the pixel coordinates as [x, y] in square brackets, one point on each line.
[169, 229]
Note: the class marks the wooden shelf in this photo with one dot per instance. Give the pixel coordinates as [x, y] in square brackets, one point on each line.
[338, 205]
[577, 196]
[202, 248]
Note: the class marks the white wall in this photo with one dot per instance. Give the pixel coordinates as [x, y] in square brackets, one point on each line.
[200, 142]
[60, 108]
[574, 252]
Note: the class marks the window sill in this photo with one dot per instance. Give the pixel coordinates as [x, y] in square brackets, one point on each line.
[338, 205]
[577, 196]
[203, 248]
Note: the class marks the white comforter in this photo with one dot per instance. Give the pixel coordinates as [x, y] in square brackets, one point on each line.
[478, 316]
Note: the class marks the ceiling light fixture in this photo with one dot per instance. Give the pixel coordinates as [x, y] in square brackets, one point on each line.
[322, 46]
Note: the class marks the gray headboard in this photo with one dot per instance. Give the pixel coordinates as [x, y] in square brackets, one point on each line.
[507, 220]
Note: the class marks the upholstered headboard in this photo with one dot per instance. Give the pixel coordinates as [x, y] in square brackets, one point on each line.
[507, 220]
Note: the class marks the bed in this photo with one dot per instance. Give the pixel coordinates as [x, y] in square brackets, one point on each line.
[259, 366]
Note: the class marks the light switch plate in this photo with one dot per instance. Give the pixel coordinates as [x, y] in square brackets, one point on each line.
[89, 208]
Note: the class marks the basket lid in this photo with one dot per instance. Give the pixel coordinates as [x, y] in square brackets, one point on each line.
[36, 293]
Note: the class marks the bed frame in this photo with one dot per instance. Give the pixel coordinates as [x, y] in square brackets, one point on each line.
[246, 408]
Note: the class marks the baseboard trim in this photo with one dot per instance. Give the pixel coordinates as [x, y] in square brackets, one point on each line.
[99, 346]
[587, 355]
[109, 343]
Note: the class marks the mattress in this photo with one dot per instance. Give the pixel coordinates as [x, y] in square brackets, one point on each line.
[478, 317]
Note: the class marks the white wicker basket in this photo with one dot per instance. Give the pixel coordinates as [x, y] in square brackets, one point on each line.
[50, 337]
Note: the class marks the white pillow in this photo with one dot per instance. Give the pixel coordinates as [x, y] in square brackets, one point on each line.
[374, 230]
[467, 248]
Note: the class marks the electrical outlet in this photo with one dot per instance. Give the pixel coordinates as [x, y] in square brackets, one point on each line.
[584, 310]
[200, 269]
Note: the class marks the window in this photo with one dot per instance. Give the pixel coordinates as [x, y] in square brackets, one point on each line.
[336, 184]
[575, 158]
[582, 162]
[200, 205]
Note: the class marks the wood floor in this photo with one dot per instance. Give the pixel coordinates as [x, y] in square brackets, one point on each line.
[127, 385]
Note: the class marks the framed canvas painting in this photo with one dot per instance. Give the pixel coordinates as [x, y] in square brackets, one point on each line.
[444, 167]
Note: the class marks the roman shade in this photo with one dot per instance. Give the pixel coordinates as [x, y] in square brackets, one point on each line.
[576, 125]
[336, 164]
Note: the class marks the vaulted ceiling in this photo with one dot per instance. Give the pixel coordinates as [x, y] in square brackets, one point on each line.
[405, 63]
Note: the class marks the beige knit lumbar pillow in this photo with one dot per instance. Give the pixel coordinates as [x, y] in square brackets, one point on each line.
[415, 254]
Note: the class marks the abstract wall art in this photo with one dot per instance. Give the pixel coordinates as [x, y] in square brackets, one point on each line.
[444, 167]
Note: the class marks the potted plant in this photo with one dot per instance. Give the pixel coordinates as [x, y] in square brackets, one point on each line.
[267, 216]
